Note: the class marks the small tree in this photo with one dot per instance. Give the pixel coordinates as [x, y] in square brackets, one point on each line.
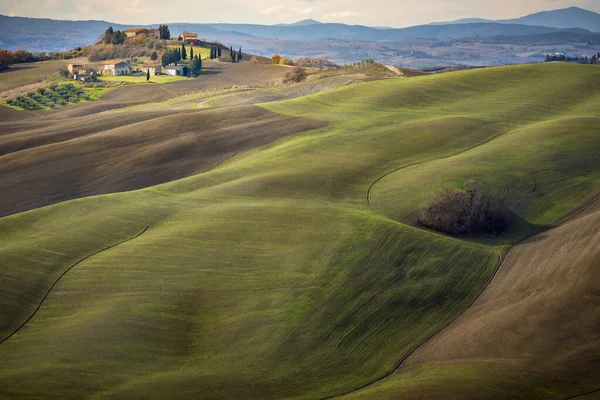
[219, 51]
[183, 52]
[239, 54]
[191, 52]
[276, 59]
[108, 34]
[148, 75]
[195, 66]
[154, 56]
[298, 74]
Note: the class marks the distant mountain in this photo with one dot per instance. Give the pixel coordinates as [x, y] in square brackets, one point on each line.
[304, 22]
[572, 17]
[48, 35]
[326, 31]
[463, 21]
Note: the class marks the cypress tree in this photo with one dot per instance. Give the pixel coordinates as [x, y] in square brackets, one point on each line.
[232, 54]
[212, 53]
[148, 75]
[191, 52]
[183, 52]
[239, 55]
[219, 51]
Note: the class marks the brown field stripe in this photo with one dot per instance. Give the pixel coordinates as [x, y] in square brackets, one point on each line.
[63, 274]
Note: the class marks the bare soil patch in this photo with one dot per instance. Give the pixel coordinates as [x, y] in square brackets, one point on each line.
[541, 311]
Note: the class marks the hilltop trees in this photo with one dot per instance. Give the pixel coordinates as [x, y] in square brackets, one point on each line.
[164, 33]
[113, 37]
[5, 59]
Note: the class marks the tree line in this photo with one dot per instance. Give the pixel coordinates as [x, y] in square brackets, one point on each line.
[234, 56]
[578, 59]
[8, 57]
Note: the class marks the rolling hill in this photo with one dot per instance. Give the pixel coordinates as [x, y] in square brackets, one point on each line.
[290, 270]
[357, 32]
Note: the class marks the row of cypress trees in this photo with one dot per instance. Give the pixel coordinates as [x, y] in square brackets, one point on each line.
[215, 53]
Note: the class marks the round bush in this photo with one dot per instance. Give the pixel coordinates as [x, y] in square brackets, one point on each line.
[463, 212]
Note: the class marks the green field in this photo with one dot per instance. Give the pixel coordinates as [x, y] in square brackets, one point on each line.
[202, 51]
[271, 276]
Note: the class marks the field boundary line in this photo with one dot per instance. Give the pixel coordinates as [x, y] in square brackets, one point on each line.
[63, 274]
[370, 189]
[582, 394]
[497, 269]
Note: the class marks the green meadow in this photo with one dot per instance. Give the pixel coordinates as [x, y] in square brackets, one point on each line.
[294, 270]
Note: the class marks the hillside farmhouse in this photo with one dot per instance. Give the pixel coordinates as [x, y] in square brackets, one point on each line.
[178, 70]
[155, 69]
[188, 37]
[151, 32]
[114, 68]
[75, 68]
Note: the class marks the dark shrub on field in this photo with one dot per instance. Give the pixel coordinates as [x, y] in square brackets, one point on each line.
[298, 74]
[466, 211]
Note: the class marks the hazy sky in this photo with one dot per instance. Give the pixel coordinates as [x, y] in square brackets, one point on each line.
[395, 13]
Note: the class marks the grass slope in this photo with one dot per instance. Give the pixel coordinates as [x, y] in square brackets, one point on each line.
[532, 334]
[270, 276]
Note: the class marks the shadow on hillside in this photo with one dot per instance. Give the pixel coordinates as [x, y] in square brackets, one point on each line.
[14, 68]
[211, 71]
